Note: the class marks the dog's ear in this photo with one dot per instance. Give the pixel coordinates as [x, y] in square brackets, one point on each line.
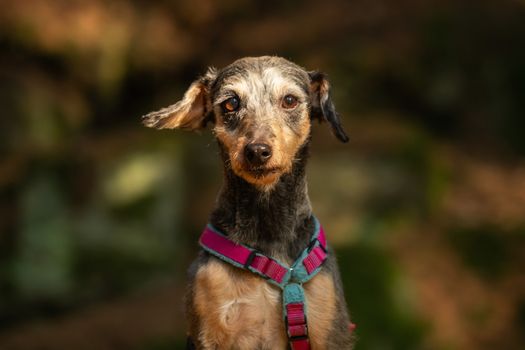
[191, 112]
[322, 107]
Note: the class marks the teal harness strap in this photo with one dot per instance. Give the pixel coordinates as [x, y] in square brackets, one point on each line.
[289, 279]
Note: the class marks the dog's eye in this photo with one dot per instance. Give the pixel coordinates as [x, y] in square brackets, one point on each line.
[231, 105]
[289, 101]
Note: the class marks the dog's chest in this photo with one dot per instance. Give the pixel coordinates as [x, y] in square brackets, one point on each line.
[238, 310]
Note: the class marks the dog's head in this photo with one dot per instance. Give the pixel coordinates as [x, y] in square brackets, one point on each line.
[261, 108]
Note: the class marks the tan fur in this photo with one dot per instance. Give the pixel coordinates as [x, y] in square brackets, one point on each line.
[321, 309]
[265, 115]
[240, 310]
[322, 89]
[243, 311]
[185, 114]
[188, 113]
[289, 140]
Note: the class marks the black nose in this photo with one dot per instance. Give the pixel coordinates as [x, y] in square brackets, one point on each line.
[257, 153]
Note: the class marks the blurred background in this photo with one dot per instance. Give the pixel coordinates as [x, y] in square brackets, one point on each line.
[99, 216]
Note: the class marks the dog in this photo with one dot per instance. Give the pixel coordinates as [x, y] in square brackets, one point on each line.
[265, 278]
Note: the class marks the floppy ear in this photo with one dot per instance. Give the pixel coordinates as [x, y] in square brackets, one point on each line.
[323, 108]
[190, 113]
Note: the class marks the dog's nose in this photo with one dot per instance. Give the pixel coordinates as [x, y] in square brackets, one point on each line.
[257, 153]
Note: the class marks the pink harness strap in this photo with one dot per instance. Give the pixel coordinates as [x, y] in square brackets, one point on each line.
[297, 327]
[224, 246]
[288, 279]
[269, 268]
[314, 259]
[242, 255]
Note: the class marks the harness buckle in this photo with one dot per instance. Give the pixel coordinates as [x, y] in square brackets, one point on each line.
[297, 337]
[249, 261]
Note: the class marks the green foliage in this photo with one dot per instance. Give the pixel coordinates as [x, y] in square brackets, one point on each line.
[384, 320]
[487, 250]
[42, 266]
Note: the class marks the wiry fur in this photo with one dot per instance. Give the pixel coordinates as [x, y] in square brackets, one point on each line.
[265, 207]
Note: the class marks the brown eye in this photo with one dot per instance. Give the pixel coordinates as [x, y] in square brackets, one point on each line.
[231, 105]
[289, 102]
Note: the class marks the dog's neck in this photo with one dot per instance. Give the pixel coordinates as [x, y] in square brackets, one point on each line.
[278, 222]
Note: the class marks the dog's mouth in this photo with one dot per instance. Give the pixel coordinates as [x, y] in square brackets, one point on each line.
[260, 172]
[261, 175]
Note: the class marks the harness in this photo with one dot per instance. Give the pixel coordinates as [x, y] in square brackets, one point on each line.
[288, 279]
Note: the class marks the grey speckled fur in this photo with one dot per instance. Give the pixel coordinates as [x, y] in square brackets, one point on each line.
[277, 222]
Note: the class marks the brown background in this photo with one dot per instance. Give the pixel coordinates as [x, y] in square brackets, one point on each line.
[99, 217]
